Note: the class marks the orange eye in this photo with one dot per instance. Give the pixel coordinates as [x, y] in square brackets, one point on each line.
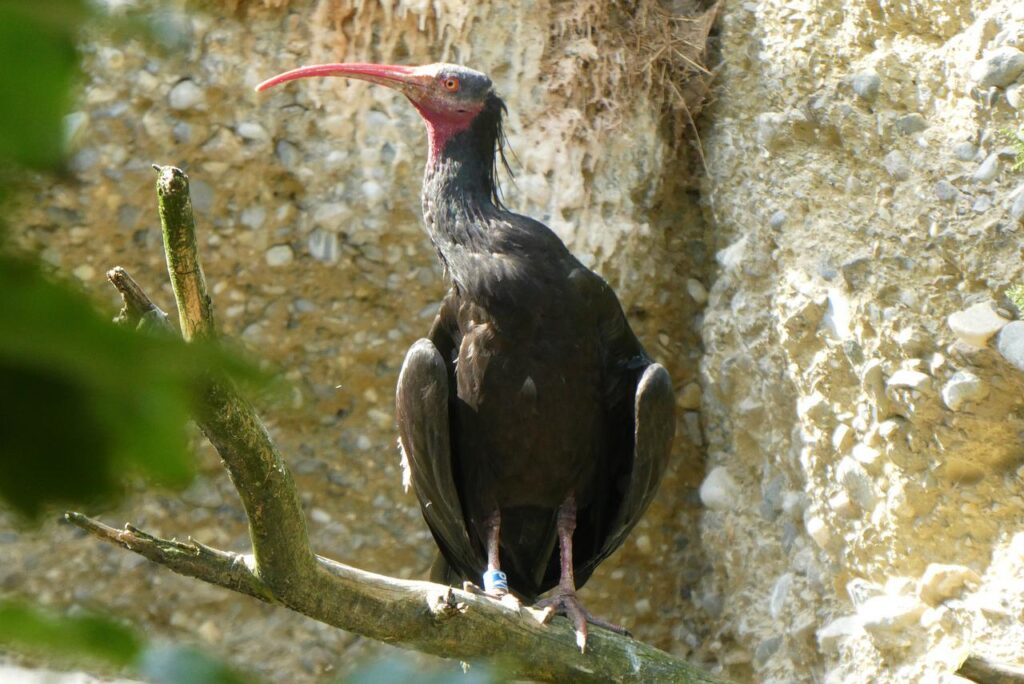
[451, 85]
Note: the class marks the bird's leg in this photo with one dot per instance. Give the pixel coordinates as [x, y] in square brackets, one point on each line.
[565, 600]
[495, 581]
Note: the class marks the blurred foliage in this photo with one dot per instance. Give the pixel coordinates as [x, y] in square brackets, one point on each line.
[87, 403]
[1015, 293]
[99, 640]
[88, 637]
[38, 67]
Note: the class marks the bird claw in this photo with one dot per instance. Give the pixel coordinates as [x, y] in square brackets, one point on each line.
[568, 604]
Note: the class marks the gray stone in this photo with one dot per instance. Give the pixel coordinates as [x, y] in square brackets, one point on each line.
[988, 169]
[998, 68]
[252, 131]
[186, 95]
[1015, 95]
[323, 245]
[766, 649]
[857, 483]
[182, 132]
[963, 387]
[1010, 343]
[697, 291]
[977, 324]
[253, 217]
[719, 491]
[288, 153]
[279, 255]
[896, 164]
[202, 195]
[780, 594]
[946, 191]
[965, 151]
[1017, 207]
[777, 219]
[866, 85]
[911, 123]
[982, 204]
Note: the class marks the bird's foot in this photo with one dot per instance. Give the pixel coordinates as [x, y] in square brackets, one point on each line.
[503, 596]
[568, 604]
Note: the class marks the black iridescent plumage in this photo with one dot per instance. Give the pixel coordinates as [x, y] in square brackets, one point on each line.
[540, 370]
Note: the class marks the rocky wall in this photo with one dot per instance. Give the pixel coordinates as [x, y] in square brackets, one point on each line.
[307, 199]
[863, 388]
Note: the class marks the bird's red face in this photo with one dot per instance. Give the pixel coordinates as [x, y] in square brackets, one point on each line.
[447, 96]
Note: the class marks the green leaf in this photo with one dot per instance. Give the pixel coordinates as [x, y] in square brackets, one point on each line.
[86, 402]
[38, 67]
[72, 637]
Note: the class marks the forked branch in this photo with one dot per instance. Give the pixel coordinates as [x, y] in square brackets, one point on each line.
[283, 568]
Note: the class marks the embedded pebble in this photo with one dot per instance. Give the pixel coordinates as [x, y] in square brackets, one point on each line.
[766, 649]
[963, 387]
[202, 195]
[865, 454]
[1015, 95]
[777, 219]
[287, 152]
[253, 131]
[279, 255]
[698, 293]
[965, 151]
[1010, 343]
[911, 123]
[819, 532]
[719, 491]
[857, 483]
[886, 618]
[977, 324]
[186, 95]
[909, 378]
[780, 593]
[323, 245]
[941, 581]
[866, 85]
[896, 164]
[988, 169]
[946, 191]
[998, 68]
[253, 217]
[1017, 208]
[982, 204]
[831, 636]
[85, 272]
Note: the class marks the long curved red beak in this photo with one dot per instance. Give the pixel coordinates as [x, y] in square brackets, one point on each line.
[402, 78]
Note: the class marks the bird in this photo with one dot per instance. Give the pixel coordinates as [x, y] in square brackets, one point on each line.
[533, 426]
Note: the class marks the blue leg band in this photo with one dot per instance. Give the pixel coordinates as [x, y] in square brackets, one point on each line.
[495, 580]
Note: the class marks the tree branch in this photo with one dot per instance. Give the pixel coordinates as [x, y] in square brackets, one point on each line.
[423, 616]
[138, 311]
[277, 526]
[283, 569]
